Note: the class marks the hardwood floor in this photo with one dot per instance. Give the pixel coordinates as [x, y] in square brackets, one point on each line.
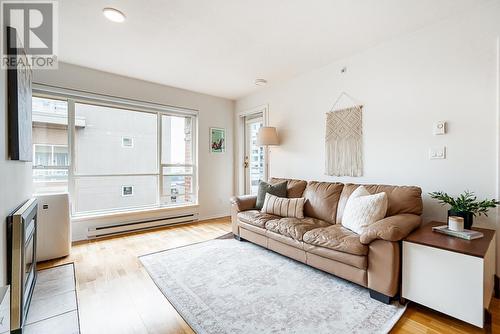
[116, 295]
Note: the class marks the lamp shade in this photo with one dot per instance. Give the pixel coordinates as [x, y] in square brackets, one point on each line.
[267, 136]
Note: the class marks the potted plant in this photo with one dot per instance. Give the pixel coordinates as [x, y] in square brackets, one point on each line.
[465, 205]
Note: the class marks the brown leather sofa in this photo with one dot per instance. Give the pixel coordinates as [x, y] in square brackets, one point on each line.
[371, 259]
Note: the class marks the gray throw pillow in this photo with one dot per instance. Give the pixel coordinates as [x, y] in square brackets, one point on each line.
[278, 189]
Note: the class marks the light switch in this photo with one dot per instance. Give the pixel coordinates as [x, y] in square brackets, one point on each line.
[439, 128]
[438, 152]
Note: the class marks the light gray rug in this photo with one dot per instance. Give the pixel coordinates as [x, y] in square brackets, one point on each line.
[227, 286]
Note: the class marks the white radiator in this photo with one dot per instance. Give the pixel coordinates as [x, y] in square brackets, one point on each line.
[106, 230]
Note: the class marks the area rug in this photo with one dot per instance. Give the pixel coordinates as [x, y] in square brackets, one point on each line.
[227, 286]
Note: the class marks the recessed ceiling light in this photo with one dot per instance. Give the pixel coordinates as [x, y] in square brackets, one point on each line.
[113, 14]
[260, 82]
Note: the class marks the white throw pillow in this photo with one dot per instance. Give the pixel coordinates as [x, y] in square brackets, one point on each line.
[284, 207]
[363, 209]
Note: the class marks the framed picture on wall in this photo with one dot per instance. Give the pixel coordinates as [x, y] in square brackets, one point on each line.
[19, 78]
[217, 140]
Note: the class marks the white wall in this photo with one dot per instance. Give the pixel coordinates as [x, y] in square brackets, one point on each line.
[15, 179]
[444, 72]
[215, 171]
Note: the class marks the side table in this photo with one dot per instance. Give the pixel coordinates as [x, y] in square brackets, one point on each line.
[448, 274]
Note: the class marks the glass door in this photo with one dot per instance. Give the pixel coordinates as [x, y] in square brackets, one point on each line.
[254, 155]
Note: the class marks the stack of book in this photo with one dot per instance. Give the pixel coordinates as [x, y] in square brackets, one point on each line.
[465, 234]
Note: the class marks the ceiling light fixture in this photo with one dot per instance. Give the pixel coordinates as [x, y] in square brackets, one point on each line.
[113, 14]
[260, 82]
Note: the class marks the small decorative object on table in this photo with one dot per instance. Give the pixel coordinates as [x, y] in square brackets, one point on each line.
[456, 223]
[465, 205]
[464, 234]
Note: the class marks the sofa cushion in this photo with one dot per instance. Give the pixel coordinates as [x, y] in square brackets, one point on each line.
[277, 189]
[358, 261]
[363, 209]
[284, 207]
[255, 218]
[337, 238]
[252, 228]
[285, 240]
[400, 199]
[294, 188]
[322, 199]
[293, 227]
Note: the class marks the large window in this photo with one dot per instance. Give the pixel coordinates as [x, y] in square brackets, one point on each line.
[117, 158]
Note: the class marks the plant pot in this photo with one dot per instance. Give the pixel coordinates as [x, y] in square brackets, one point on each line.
[467, 216]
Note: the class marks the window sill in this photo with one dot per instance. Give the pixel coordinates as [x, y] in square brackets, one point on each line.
[57, 193]
[86, 217]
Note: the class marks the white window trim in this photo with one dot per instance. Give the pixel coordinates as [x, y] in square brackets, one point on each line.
[75, 96]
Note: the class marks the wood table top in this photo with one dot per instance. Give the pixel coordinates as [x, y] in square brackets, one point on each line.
[477, 247]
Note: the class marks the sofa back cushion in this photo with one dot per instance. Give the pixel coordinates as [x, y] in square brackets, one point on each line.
[295, 188]
[322, 200]
[401, 199]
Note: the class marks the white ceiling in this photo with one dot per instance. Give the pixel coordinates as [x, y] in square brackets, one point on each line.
[220, 47]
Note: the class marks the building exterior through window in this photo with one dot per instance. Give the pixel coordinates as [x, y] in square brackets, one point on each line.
[118, 159]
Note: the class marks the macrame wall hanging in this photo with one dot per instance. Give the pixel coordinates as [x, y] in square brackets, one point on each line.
[344, 139]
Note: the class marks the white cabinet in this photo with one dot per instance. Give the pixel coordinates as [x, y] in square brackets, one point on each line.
[442, 276]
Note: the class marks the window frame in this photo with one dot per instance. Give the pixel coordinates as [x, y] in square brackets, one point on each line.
[73, 97]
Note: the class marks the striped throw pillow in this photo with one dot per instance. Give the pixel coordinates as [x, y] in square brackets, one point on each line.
[284, 207]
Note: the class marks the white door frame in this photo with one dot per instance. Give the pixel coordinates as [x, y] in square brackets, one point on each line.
[497, 210]
[240, 149]
[248, 145]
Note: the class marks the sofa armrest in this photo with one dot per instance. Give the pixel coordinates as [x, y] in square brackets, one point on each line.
[394, 228]
[244, 203]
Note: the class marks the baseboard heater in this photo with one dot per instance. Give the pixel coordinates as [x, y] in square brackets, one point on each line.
[107, 230]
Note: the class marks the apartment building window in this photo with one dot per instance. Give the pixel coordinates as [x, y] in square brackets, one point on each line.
[50, 155]
[177, 160]
[115, 157]
[127, 142]
[50, 145]
[127, 190]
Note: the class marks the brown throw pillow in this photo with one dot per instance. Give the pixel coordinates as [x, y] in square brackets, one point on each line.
[284, 207]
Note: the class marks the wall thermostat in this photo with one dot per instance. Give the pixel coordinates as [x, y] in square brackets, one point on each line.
[439, 128]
